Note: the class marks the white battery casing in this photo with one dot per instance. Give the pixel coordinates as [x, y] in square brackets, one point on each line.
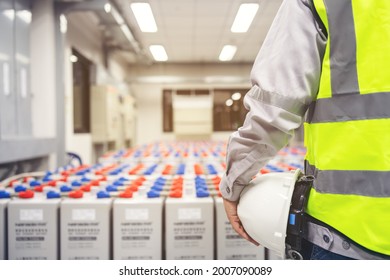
[33, 229]
[137, 228]
[189, 225]
[86, 229]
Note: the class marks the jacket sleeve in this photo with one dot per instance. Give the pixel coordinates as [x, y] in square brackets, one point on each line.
[285, 79]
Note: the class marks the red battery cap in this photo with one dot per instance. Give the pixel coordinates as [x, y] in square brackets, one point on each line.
[27, 179]
[126, 194]
[132, 188]
[86, 188]
[38, 188]
[95, 183]
[52, 183]
[26, 194]
[76, 194]
[176, 194]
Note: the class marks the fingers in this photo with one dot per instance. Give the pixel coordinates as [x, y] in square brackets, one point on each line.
[231, 212]
[237, 226]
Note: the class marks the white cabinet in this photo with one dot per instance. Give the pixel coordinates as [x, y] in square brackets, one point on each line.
[193, 116]
[105, 113]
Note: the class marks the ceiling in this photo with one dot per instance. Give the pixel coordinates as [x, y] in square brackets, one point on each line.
[194, 31]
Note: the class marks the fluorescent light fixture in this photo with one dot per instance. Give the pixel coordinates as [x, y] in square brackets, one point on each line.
[117, 16]
[236, 96]
[24, 15]
[229, 102]
[22, 58]
[10, 14]
[107, 7]
[63, 24]
[144, 16]
[158, 52]
[126, 31]
[227, 53]
[73, 58]
[129, 36]
[4, 56]
[244, 17]
[160, 79]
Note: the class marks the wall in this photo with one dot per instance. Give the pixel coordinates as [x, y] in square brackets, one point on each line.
[87, 40]
[43, 79]
[43, 69]
[147, 83]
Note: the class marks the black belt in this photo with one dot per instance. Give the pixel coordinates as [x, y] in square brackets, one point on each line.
[302, 226]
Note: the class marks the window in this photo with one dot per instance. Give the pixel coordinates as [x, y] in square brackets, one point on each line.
[167, 111]
[81, 92]
[228, 110]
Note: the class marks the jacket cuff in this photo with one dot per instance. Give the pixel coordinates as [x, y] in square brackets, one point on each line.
[230, 192]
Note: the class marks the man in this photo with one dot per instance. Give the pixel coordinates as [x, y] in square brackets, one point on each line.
[327, 61]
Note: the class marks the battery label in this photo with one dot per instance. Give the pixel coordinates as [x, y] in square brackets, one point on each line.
[189, 234]
[30, 235]
[83, 214]
[137, 235]
[189, 214]
[136, 214]
[31, 214]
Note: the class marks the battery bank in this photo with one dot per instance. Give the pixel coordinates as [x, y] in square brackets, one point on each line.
[85, 228]
[33, 228]
[231, 246]
[137, 228]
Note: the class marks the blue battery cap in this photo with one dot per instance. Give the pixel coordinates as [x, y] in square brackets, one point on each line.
[118, 183]
[199, 187]
[103, 194]
[46, 179]
[20, 188]
[111, 188]
[123, 179]
[66, 189]
[202, 193]
[157, 188]
[34, 183]
[4, 194]
[153, 194]
[76, 184]
[160, 184]
[53, 194]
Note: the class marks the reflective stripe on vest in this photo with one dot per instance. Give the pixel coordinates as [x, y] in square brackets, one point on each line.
[347, 131]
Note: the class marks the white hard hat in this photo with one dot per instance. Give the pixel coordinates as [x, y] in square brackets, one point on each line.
[264, 207]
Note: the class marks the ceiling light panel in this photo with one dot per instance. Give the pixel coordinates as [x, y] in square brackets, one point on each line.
[144, 16]
[244, 17]
[227, 53]
[158, 52]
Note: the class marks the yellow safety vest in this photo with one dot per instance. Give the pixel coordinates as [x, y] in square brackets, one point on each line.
[347, 131]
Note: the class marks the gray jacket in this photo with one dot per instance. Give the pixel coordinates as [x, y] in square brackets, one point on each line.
[285, 79]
